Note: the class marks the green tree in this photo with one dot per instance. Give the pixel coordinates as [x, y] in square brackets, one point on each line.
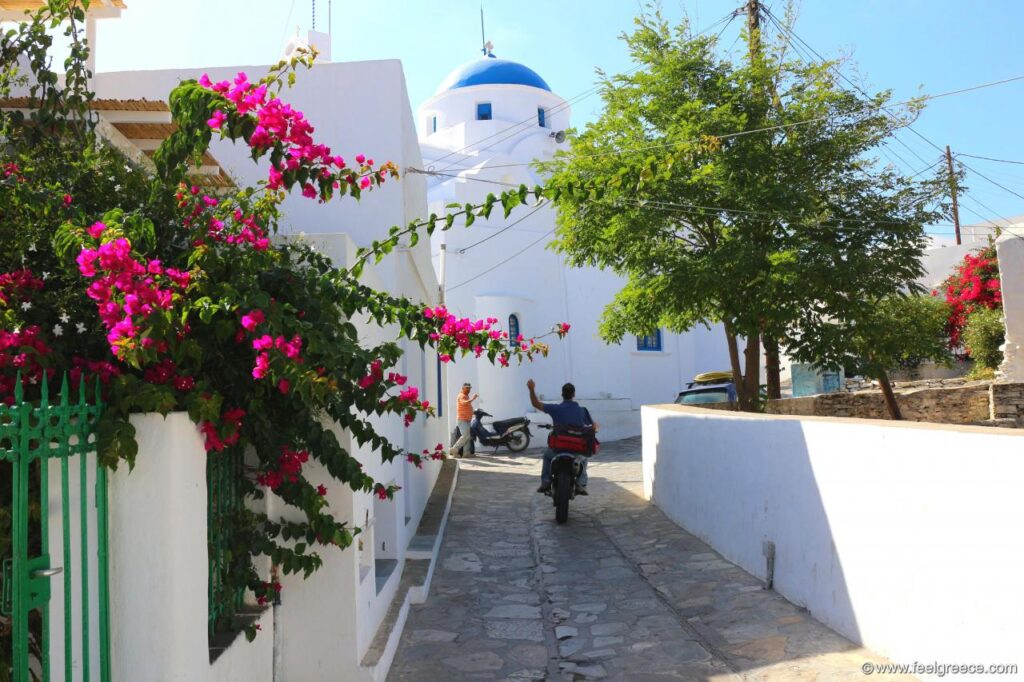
[744, 194]
[983, 337]
[885, 333]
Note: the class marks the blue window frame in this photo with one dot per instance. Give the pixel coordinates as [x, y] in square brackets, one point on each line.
[433, 124]
[649, 342]
[483, 111]
[513, 330]
[542, 117]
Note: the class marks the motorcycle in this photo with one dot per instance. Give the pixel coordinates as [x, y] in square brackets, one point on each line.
[514, 434]
[565, 469]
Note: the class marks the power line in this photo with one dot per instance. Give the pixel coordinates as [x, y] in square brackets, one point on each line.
[696, 209]
[1000, 186]
[989, 158]
[725, 136]
[838, 71]
[507, 227]
[498, 265]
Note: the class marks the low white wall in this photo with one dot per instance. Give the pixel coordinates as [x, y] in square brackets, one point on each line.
[159, 565]
[903, 537]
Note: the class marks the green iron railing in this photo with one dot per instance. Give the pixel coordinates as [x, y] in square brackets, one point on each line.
[37, 443]
[225, 501]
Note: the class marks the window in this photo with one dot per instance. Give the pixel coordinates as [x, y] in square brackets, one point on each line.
[649, 342]
[433, 124]
[513, 330]
[542, 117]
[483, 111]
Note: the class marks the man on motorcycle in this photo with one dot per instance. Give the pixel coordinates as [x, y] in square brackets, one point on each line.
[568, 413]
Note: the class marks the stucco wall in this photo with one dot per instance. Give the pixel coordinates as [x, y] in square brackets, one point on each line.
[903, 537]
[159, 566]
[1010, 251]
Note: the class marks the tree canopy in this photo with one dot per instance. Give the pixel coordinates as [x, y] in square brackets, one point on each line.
[744, 193]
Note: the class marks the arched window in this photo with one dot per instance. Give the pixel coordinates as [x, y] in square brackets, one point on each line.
[649, 342]
[513, 329]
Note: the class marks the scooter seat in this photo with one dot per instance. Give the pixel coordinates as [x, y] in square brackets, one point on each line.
[506, 424]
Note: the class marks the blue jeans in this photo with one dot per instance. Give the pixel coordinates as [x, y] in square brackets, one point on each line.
[545, 469]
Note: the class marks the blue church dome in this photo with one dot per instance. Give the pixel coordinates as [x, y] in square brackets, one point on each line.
[492, 71]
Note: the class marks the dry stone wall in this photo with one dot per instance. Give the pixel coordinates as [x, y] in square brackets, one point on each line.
[976, 403]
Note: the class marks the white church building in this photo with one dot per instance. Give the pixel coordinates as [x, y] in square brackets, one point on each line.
[479, 133]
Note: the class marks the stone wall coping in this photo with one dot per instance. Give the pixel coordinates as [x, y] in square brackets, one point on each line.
[889, 423]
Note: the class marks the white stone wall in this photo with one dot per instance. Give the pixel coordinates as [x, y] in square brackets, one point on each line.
[903, 537]
[1010, 251]
[327, 623]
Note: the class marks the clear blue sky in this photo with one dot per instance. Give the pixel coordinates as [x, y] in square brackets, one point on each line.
[910, 46]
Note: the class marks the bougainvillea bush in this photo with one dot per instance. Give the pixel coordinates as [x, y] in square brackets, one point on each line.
[974, 285]
[176, 298]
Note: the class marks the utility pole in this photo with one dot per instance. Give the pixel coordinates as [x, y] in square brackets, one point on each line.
[754, 27]
[953, 193]
[752, 352]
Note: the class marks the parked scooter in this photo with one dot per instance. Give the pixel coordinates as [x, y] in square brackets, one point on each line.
[565, 469]
[513, 434]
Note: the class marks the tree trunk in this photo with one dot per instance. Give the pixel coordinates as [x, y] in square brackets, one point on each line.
[890, 397]
[734, 363]
[771, 368]
[752, 376]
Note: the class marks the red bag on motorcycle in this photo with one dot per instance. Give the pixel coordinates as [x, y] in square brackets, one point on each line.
[575, 439]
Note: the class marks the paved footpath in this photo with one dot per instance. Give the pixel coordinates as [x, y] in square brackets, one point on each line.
[619, 592]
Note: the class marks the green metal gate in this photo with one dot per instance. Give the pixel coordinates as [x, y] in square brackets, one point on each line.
[40, 447]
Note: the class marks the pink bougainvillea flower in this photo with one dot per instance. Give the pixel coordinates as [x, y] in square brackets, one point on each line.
[67, 199]
[262, 366]
[217, 120]
[252, 319]
[284, 386]
[96, 229]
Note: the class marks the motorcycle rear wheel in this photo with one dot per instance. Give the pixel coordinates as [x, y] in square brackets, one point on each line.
[519, 441]
[563, 485]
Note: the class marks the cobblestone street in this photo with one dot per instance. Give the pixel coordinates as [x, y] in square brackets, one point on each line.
[619, 592]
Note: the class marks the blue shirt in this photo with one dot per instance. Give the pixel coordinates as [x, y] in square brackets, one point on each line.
[567, 412]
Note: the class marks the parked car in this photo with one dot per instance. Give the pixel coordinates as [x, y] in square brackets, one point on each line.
[706, 388]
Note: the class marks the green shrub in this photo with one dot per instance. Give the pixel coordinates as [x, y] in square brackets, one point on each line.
[983, 335]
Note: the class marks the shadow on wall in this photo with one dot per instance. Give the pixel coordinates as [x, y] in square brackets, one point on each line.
[897, 536]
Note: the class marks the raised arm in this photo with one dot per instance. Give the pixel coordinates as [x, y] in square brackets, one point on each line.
[537, 404]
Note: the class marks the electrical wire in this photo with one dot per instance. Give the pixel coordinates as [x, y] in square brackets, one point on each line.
[286, 22]
[498, 265]
[725, 136]
[507, 227]
[988, 158]
[696, 209]
[859, 89]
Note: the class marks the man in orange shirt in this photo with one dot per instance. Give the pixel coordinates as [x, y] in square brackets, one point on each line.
[463, 415]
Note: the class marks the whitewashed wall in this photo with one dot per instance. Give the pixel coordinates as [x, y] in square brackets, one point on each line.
[904, 537]
[1010, 250]
[612, 380]
[159, 567]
